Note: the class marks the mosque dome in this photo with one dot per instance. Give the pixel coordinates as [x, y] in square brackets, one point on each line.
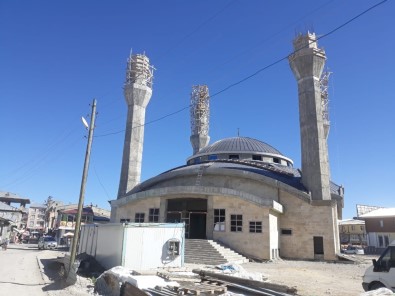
[240, 148]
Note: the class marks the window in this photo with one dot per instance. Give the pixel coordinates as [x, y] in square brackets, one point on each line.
[352, 227]
[219, 219]
[233, 156]
[153, 215]
[236, 223]
[124, 220]
[255, 226]
[362, 228]
[381, 223]
[381, 243]
[286, 231]
[257, 157]
[276, 160]
[197, 160]
[386, 240]
[139, 218]
[212, 157]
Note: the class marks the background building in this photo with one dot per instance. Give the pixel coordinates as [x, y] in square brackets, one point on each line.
[352, 231]
[380, 227]
[13, 218]
[36, 218]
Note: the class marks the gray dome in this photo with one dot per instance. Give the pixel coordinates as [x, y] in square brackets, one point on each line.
[240, 148]
[239, 145]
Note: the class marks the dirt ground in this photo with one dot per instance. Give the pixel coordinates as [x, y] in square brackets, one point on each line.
[312, 278]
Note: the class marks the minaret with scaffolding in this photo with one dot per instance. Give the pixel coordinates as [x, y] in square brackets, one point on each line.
[200, 114]
[137, 92]
[307, 63]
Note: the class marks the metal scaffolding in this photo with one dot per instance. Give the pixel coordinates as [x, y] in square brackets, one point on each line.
[200, 110]
[324, 96]
[139, 70]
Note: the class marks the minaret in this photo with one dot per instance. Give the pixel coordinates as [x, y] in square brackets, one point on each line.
[137, 91]
[307, 63]
[200, 114]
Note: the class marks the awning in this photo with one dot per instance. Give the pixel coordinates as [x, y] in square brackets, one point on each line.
[68, 234]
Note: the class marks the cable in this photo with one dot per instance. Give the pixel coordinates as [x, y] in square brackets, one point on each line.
[200, 26]
[259, 70]
[101, 184]
[185, 38]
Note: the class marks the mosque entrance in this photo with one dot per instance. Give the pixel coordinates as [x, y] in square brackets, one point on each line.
[192, 212]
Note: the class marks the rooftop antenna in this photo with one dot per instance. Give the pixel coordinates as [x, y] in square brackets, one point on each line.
[238, 132]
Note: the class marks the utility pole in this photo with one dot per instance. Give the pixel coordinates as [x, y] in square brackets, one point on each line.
[82, 190]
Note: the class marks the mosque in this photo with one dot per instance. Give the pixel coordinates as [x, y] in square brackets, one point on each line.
[239, 191]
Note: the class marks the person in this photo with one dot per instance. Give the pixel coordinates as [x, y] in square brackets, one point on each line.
[5, 244]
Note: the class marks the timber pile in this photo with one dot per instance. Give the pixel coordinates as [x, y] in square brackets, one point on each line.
[206, 287]
[178, 277]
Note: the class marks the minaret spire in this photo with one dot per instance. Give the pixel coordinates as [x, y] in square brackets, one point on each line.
[200, 115]
[307, 63]
[137, 91]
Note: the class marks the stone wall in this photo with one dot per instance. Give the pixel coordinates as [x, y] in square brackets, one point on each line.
[253, 244]
[129, 210]
[306, 221]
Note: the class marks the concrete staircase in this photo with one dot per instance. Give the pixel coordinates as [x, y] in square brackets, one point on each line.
[208, 252]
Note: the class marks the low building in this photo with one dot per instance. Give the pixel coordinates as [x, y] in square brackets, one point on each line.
[12, 216]
[137, 246]
[380, 227]
[67, 216]
[352, 232]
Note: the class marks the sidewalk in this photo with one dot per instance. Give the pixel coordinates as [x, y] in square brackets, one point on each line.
[51, 267]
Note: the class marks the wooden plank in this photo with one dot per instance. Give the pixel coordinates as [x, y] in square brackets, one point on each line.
[128, 289]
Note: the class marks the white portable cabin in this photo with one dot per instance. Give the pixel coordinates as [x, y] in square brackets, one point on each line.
[137, 246]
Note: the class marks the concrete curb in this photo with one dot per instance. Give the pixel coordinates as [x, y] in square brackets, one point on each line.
[46, 280]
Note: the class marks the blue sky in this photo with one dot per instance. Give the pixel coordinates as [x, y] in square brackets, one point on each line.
[56, 56]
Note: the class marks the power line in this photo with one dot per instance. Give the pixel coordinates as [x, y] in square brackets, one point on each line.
[259, 70]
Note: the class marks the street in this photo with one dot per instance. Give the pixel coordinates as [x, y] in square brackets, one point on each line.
[25, 270]
[19, 271]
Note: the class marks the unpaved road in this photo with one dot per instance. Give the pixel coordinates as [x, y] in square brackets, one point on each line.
[20, 275]
[316, 278]
[19, 272]
[25, 270]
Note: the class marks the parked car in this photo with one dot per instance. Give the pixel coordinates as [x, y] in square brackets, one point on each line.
[47, 242]
[354, 250]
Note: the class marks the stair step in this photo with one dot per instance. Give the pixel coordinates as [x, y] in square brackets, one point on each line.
[210, 253]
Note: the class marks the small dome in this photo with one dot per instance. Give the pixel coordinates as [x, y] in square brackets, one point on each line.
[239, 145]
[240, 148]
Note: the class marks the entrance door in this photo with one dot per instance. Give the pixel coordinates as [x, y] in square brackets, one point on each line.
[318, 246]
[191, 211]
[197, 222]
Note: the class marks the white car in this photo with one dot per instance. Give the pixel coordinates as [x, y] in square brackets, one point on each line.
[47, 242]
[354, 250]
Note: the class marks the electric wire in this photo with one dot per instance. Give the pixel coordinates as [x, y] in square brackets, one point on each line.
[229, 60]
[176, 44]
[256, 72]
